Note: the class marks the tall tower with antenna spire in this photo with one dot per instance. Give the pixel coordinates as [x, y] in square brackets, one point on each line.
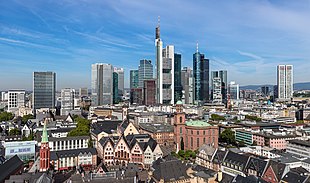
[44, 150]
[159, 63]
[201, 77]
[164, 70]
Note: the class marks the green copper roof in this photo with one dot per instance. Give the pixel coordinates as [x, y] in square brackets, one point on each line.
[179, 102]
[197, 123]
[44, 134]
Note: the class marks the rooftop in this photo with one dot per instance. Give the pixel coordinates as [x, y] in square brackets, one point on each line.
[197, 123]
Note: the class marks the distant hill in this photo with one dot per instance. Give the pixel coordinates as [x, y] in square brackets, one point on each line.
[297, 86]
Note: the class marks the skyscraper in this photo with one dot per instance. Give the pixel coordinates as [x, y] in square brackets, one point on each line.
[233, 90]
[115, 88]
[120, 75]
[187, 85]
[44, 88]
[134, 78]
[102, 84]
[145, 71]
[166, 94]
[177, 78]
[219, 76]
[164, 70]
[201, 77]
[67, 101]
[285, 82]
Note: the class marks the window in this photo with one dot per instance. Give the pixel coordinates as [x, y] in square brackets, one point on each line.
[197, 142]
[197, 132]
[180, 130]
[191, 141]
[181, 119]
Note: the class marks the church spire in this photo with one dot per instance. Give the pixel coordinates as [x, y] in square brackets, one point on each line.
[44, 134]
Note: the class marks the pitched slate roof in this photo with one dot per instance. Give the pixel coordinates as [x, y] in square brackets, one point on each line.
[219, 156]
[170, 170]
[104, 126]
[257, 164]
[71, 153]
[248, 179]
[278, 168]
[236, 159]
[294, 177]
[104, 140]
[10, 167]
[208, 150]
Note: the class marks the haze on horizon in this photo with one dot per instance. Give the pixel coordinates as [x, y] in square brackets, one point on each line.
[246, 38]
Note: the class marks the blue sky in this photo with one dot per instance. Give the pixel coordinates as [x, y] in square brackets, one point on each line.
[247, 38]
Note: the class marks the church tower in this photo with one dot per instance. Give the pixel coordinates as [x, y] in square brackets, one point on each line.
[179, 126]
[44, 151]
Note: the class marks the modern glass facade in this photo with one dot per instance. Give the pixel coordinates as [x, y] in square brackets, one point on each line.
[44, 88]
[177, 78]
[145, 71]
[201, 78]
[134, 79]
[115, 88]
[102, 84]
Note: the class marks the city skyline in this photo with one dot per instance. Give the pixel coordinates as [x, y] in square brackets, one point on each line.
[78, 34]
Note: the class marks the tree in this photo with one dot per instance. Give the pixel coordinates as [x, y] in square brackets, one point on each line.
[25, 118]
[182, 143]
[82, 128]
[14, 131]
[6, 116]
[228, 136]
[253, 118]
[216, 117]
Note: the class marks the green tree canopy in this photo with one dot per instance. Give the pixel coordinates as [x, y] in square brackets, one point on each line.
[14, 131]
[82, 129]
[25, 118]
[217, 117]
[228, 136]
[253, 118]
[6, 116]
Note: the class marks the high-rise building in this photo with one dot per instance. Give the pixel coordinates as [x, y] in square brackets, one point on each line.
[149, 92]
[67, 101]
[187, 85]
[120, 75]
[44, 89]
[201, 77]
[216, 77]
[177, 78]
[16, 99]
[102, 84]
[115, 88]
[233, 90]
[285, 81]
[134, 78]
[145, 71]
[136, 96]
[164, 71]
[265, 91]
